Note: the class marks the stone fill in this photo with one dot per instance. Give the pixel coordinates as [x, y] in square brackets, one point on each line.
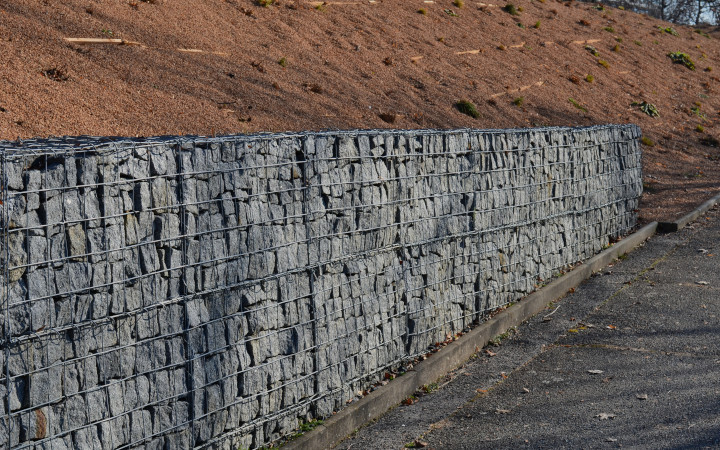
[216, 292]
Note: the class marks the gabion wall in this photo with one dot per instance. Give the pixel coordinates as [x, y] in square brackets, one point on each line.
[215, 292]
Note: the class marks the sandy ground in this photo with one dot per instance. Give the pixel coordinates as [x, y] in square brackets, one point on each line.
[232, 66]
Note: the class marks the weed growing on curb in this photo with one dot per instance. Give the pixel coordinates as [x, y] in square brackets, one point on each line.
[309, 426]
[518, 101]
[422, 11]
[459, 3]
[616, 49]
[589, 78]
[700, 129]
[682, 58]
[638, 43]
[265, 3]
[577, 105]
[604, 63]
[647, 141]
[537, 25]
[592, 50]
[283, 62]
[497, 340]
[468, 108]
[609, 29]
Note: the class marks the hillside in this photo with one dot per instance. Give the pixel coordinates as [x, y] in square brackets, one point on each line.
[232, 66]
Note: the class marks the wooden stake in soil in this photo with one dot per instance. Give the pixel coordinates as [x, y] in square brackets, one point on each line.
[102, 41]
[520, 89]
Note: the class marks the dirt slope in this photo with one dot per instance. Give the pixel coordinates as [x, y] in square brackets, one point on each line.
[362, 64]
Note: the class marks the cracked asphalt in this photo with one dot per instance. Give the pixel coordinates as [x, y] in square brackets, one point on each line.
[630, 359]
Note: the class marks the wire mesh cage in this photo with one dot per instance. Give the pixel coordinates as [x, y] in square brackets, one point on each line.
[216, 292]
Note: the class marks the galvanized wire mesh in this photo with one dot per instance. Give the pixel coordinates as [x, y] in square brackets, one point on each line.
[215, 292]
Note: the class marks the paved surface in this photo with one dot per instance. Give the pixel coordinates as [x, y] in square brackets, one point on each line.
[630, 359]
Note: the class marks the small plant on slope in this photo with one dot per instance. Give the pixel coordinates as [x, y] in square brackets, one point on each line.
[669, 30]
[696, 110]
[577, 105]
[511, 9]
[592, 50]
[682, 58]
[468, 108]
[647, 108]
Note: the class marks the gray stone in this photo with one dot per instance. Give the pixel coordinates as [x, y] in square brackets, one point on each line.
[87, 438]
[76, 242]
[114, 432]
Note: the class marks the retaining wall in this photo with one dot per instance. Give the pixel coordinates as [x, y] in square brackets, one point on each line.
[215, 292]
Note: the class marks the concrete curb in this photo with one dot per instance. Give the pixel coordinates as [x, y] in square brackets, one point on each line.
[671, 227]
[455, 354]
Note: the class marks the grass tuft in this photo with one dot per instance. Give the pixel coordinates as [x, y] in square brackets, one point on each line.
[577, 105]
[669, 30]
[468, 108]
[511, 9]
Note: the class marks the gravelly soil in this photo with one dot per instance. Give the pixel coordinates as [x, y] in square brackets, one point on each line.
[357, 64]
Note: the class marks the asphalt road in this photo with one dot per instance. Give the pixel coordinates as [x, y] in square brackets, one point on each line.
[630, 359]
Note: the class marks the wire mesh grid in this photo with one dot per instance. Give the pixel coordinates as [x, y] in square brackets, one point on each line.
[215, 292]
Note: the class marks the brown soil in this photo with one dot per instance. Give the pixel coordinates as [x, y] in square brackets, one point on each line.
[362, 64]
